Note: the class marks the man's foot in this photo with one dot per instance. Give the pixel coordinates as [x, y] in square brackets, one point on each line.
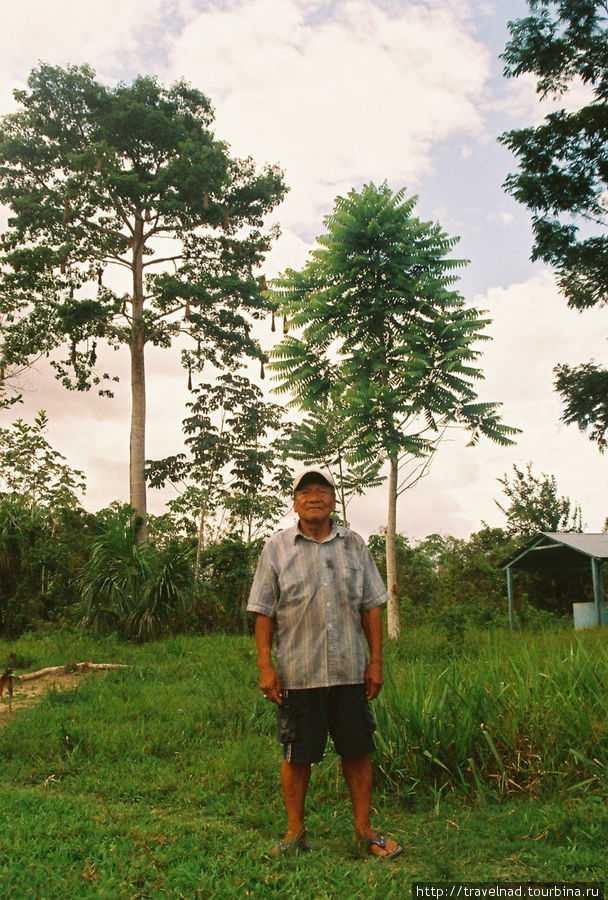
[379, 846]
[293, 842]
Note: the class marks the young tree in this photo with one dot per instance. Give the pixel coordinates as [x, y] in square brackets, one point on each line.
[535, 505]
[563, 174]
[41, 525]
[32, 470]
[382, 328]
[235, 464]
[127, 180]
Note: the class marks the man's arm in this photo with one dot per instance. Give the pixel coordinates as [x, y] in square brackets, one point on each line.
[371, 621]
[270, 682]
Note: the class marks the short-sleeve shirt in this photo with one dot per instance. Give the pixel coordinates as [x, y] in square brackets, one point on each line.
[316, 592]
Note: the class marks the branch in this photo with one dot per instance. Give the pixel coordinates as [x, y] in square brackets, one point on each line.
[70, 669]
[155, 262]
[422, 469]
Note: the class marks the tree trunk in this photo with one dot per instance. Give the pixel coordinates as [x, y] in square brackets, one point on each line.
[342, 494]
[394, 627]
[137, 445]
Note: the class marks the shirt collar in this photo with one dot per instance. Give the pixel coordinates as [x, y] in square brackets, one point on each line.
[336, 531]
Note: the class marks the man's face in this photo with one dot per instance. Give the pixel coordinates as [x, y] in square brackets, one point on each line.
[314, 502]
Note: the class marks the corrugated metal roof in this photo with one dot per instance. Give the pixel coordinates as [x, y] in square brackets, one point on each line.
[558, 550]
[591, 544]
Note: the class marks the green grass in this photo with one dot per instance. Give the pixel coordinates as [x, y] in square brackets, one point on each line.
[162, 780]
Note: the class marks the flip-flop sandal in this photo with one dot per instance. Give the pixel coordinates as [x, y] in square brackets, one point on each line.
[291, 847]
[380, 841]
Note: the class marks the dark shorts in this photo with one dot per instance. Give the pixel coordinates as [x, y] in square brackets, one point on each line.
[306, 716]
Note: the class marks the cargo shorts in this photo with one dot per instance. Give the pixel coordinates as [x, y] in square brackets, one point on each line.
[307, 716]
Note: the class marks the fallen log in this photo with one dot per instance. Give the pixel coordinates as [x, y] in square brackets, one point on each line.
[69, 669]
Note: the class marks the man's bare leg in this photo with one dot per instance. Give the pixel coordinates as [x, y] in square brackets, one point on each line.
[359, 778]
[295, 778]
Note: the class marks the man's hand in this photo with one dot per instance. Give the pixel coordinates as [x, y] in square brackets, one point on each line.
[270, 683]
[373, 680]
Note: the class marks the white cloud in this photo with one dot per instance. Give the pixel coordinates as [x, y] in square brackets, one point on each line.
[522, 104]
[360, 95]
[113, 36]
[532, 330]
[503, 217]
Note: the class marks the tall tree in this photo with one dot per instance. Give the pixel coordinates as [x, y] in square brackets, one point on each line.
[381, 326]
[128, 180]
[563, 172]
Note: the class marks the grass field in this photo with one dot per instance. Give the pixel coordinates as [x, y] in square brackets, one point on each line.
[160, 780]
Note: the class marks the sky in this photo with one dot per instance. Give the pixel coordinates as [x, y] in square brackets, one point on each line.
[341, 93]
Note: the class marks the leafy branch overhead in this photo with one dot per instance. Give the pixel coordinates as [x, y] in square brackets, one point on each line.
[563, 171]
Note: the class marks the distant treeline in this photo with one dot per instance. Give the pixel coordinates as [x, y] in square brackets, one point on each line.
[64, 565]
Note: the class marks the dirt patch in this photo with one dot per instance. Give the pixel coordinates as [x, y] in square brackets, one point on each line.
[27, 692]
[29, 688]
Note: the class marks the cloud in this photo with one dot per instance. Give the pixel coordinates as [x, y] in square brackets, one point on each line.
[520, 102]
[114, 36]
[532, 330]
[361, 93]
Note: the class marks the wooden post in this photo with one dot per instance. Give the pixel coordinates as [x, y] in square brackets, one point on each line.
[598, 589]
[510, 595]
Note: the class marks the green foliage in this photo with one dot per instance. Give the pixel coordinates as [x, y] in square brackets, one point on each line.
[41, 524]
[93, 174]
[100, 182]
[235, 468]
[453, 583]
[225, 576]
[501, 717]
[184, 797]
[584, 390]
[416, 574]
[562, 175]
[31, 469]
[534, 505]
[134, 589]
[40, 554]
[382, 328]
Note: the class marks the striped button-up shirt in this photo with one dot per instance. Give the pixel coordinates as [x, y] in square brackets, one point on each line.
[316, 593]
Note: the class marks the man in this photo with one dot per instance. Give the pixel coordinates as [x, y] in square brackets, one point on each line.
[318, 591]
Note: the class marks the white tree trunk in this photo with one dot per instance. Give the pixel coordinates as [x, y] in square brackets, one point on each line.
[137, 443]
[394, 627]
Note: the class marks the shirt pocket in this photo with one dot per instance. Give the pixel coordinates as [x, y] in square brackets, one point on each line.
[353, 581]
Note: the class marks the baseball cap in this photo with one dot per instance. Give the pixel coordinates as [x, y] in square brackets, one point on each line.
[314, 475]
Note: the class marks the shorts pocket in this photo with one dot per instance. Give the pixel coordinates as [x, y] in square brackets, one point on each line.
[287, 720]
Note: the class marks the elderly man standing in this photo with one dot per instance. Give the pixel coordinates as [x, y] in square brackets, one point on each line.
[318, 592]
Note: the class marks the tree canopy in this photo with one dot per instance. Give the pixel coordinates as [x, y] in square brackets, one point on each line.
[130, 224]
[386, 340]
[563, 171]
